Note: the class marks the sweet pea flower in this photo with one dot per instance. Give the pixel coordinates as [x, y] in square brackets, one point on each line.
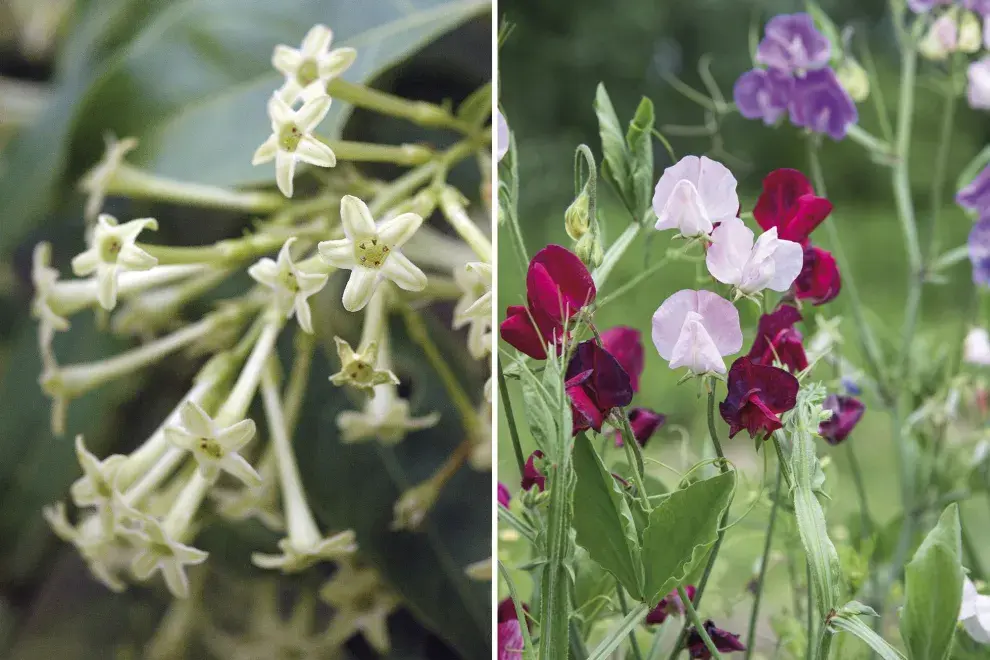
[763, 94]
[778, 339]
[509, 631]
[757, 394]
[978, 90]
[595, 383]
[644, 423]
[312, 65]
[504, 496]
[694, 194]
[669, 605]
[846, 413]
[292, 139]
[501, 136]
[976, 195]
[819, 280]
[695, 329]
[724, 641]
[532, 475]
[625, 344]
[558, 285]
[769, 263]
[822, 105]
[979, 250]
[974, 613]
[976, 347]
[792, 44]
[789, 204]
[922, 6]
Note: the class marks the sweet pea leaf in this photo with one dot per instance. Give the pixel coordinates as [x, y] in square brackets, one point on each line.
[933, 582]
[542, 424]
[603, 521]
[194, 85]
[639, 139]
[615, 165]
[682, 529]
[849, 621]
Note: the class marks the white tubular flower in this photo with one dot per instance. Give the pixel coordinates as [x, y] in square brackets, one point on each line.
[371, 252]
[113, 249]
[385, 418]
[49, 322]
[105, 555]
[978, 90]
[975, 613]
[695, 329]
[770, 263]
[361, 603]
[96, 181]
[501, 136]
[292, 286]
[296, 558]
[157, 551]
[96, 487]
[693, 194]
[976, 347]
[292, 139]
[475, 306]
[359, 369]
[214, 448]
[312, 64]
[482, 571]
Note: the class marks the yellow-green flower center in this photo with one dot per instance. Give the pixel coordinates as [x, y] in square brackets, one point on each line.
[289, 137]
[359, 371]
[110, 247]
[371, 252]
[211, 448]
[288, 280]
[308, 71]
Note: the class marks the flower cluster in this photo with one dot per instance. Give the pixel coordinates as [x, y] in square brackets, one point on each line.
[960, 26]
[797, 80]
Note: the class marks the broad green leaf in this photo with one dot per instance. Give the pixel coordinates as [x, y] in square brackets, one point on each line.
[603, 521]
[933, 582]
[639, 139]
[682, 529]
[615, 166]
[194, 85]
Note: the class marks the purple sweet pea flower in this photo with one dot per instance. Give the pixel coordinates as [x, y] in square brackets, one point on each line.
[846, 413]
[976, 196]
[504, 496]
[922, 6]
[979, 251]
[669, 605]
[510, 640]
[532, 475]
[820, 104]
[724, 641]
[644, 423]
[792, 44]
[763, 94]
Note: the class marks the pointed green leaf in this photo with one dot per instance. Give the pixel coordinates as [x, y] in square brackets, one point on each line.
[537, 410]
[682, 529]
[933, 583]
[603, 521]
[639, 139]
[615, 166]
[850, 622]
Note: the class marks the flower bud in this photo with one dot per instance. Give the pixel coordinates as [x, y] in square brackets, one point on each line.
[589, 250]
[577, 221]
[970, 32]
[852, 76]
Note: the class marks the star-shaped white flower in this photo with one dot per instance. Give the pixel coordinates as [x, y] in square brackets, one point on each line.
[385, 418]
[105, 555]
[157, 551]
[96, 487]
[97, 180]
[769, 263]
[292, 139]
[312, 65]
[371, 252]
[214, 448]
[361, 603]
[693, 194]
[292, 286]
[49, 322]
[359, 369]
[113, 249]
[475, 306]
[295, 559]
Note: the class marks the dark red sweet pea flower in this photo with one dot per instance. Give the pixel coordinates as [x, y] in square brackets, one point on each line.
[558, 285]
[644, 423]
[595, 382]
[504, 496]
[776, 337]
[788, 202]
[724, 641]
[532, 476]
[757, 394]
[507, 610]
[846, 413]
[669, 605]
[626, 345]
[819, 279]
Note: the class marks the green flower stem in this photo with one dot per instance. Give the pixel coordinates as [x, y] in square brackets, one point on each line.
[224, 253]
[692, 615]
[235, 407]
[869, 141]
[129, 181]
[782, 461]
[179, 519]
[857, 475]
[430, 247]
[365, 152]
[503, 397]
[418, 112]
[764, 567]
[375, 320]
[635, 457]
[403, 187]
[306, 208]
[637, 653]
[508, 208]
[452, 207]
[824, 643]
[71, 296]
[614, 254]
[939, 177]
[437, 288]
[810, 625]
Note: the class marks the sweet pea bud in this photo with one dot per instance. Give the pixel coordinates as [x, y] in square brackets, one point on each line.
[970, 32]
[576, 218]
[589, 249]
[852, 76]
[942, 37]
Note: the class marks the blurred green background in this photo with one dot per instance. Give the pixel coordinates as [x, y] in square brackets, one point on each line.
[548, 70]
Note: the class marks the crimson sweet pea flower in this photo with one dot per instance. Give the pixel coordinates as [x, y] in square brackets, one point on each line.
[531, 475]
[595, 382]
[819, 280]
[510, 637]
[846, 413]
[644, 423]
[504, 496]
[724, 641]
[757, 394]
[558, 285]
[788, 202]
[669, 605]
[776, 337]
[626, 345]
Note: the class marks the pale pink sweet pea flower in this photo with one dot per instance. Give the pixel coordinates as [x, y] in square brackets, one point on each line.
[769, 263]
[978, 91]
[976, 347]
[695, 329]
[974, 613]
[501, 136]
[694, 194]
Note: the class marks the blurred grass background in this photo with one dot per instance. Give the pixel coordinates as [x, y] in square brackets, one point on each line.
[548, 70]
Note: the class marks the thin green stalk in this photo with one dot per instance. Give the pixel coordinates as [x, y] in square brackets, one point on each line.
[692, 615]
[857, 475]
[810, 612]
[824, 644]
[940, 175]
[637, 653]
[764, 567]
[503, 394]
[635, 457]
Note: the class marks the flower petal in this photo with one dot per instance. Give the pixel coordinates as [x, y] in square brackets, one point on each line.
[312, 113]
[286, 60]
[264, 271]
[237, 435]
[685, 212]
[266, 151]
[175, 578]
[279, 111]
[732, 245]
[360, 287]
[179, 437]
[398, 230]
[106, 285]
[339, 253]
[669, 318]
[317, 40]
[788, 260]
[356, 218]
[132, 257]
[717, 188]
[519, 332]
[314, 152]
[235, 465]
[86, 263]
[721, 320]
[144, 564]
[336, 62]
[695, 349]
[304, 315]
[285, 169]
[403, 272]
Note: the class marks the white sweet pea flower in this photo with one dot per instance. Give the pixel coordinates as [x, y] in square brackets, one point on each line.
[693, 194]
[695, 329]
[371, 252]
[292, 286]
[976, 347]
[978, 91]
[97, 180]
[112, 249]
[312, 64]
[214, 448]
[292, 139]
[501, 136]
[975, 613]
[158, 551]
[474, 308]
[770, 263]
